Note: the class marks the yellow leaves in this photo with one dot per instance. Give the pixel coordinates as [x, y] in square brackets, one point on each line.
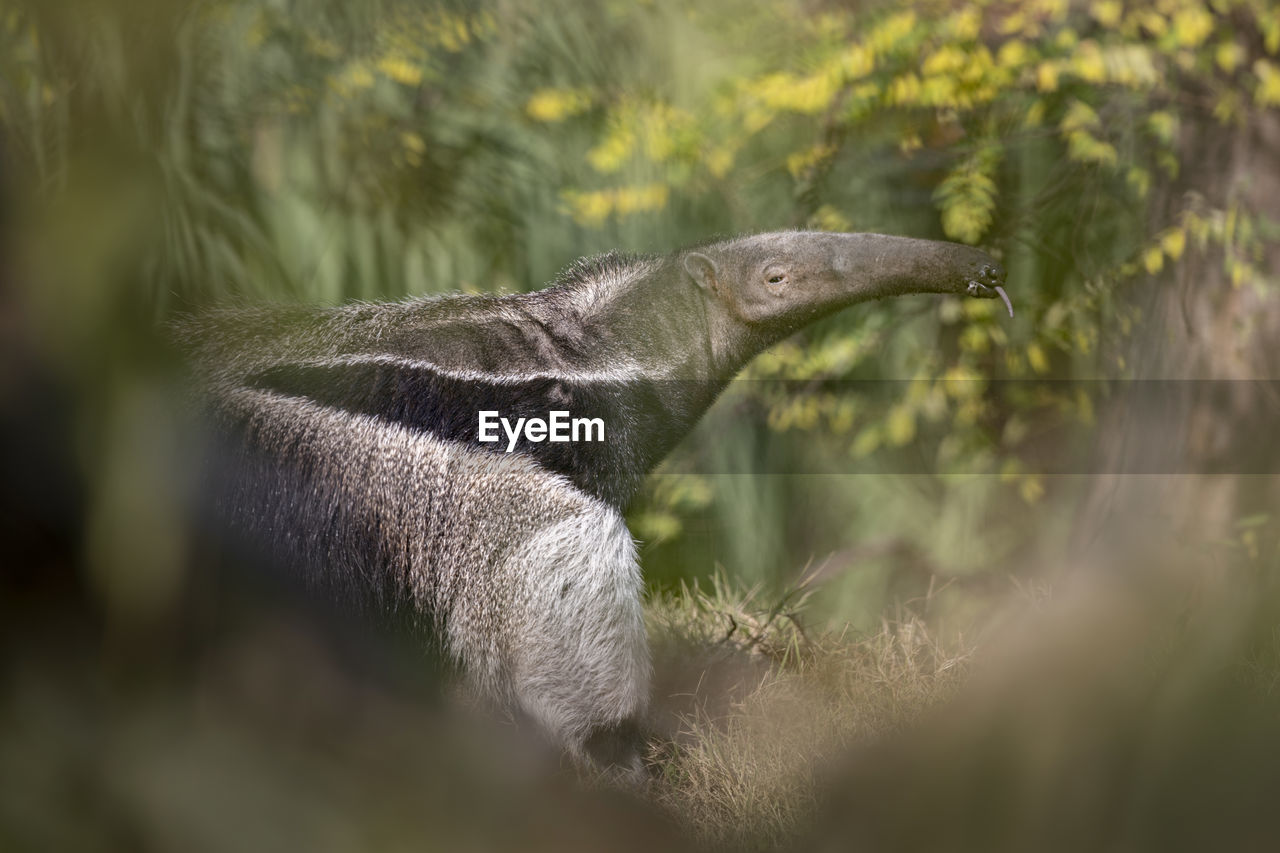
[1130, 65]
[719, 160]
[1087, 62]
[553, 105]
[1173, 242]
[855, 62]
[799, 413]
[655, 526]
[840, 419]
[659, 125]
[827, 25]
[1170, 243]
[1163, 125]
[1013, 23]
[800, 162]
[1228, 56]
[945, 60]
[1153, 260]
[904, 90]
[953, 78]
[589, 208]
[964, 24]
[1107, 12]
[413, 142]
[450, 31]
[1082, 145]
[1238, 271]
[891, 32]
[1031, 489]
[1197, 226]
[981, 63]
[1270, 27]
[400, 70]
[1229, 106]
[777, 361]
[963, 383]
[865, 92]
[1139, 180]
[867, 442]
[653, 127]
[804, 93]
[1037, 358]
[974, 339]
[1191, 26]
[1030, 486]
[967, 196]
[900, 425]
[1012, 54]
[627, 200]
[1153, 22]
[827, 218]
[258, 31]
[1047, 76]
[1016, 429]
[1079, 116]
[414, 147]
[1268, 91]
[322, 47]
[1035, 114]
[1055, 10]
[609, 155]
[756, 118]
[940, 92]
[484, 24]
[594, 207]
[358, 76]
[785, 91]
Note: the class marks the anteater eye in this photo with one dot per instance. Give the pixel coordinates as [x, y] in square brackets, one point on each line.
[775, 277]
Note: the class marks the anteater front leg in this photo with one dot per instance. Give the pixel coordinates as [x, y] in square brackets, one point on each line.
[579, 658]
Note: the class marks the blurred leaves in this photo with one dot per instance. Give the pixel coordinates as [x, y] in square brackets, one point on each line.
[321, 151]
[967, 196]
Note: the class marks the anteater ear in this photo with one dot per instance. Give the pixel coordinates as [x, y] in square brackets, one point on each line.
[703, 269]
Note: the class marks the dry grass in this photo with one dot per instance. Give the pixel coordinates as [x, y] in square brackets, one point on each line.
[1134, 708]
[751, 706]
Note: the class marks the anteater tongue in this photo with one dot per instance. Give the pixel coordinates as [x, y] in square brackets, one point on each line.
[1005, 297]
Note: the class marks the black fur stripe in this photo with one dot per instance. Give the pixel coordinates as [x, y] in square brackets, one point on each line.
[641, 419]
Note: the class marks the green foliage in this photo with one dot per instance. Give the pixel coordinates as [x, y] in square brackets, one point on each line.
[317, 150]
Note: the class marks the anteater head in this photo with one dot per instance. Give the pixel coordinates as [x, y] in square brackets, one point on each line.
[776, 283]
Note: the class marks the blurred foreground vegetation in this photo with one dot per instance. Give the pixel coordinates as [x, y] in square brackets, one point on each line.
[1117, 713]
[1121, 158]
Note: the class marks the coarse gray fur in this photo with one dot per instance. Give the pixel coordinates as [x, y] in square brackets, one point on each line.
[351, 451]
